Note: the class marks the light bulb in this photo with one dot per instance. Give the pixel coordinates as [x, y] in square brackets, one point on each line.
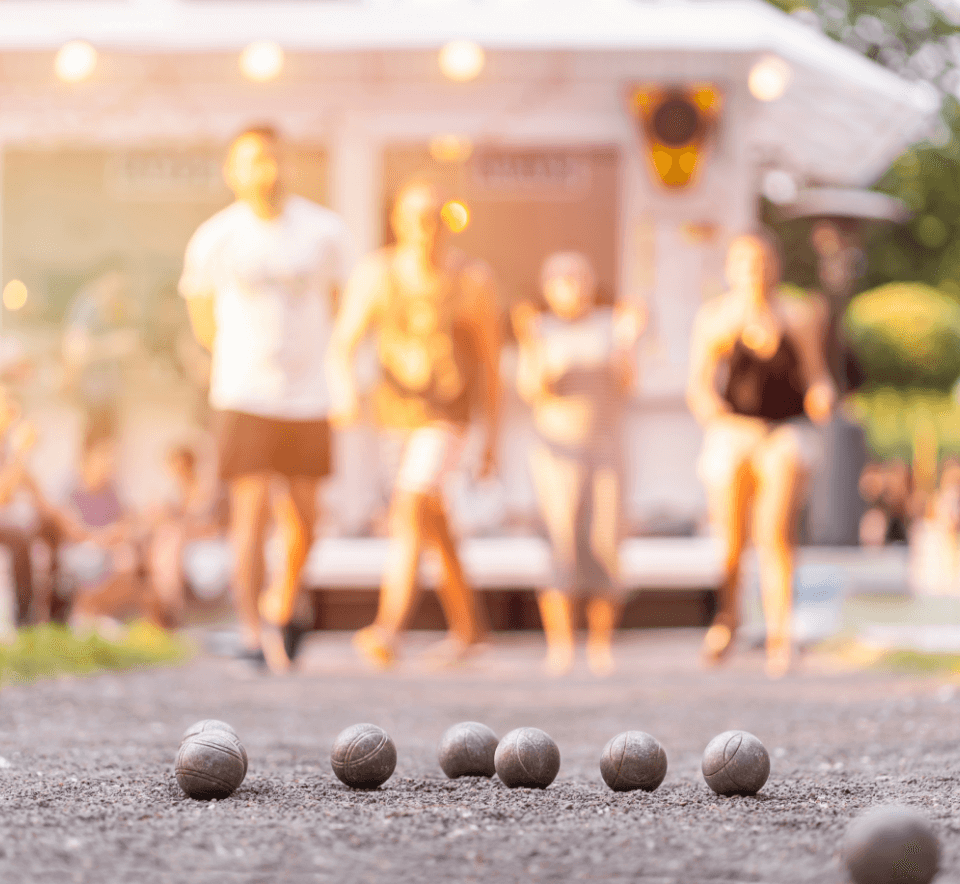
[75, 61]
[261, 61]
[769, 78]
[462, 60]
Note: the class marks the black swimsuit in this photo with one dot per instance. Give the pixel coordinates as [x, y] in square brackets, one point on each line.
[771, 389]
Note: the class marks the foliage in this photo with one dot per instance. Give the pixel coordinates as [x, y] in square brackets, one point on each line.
[49, 650]
[919, 40]
[906, 335]
[916, 39]
[893, 418]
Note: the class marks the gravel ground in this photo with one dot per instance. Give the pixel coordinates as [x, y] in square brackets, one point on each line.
[87, 791]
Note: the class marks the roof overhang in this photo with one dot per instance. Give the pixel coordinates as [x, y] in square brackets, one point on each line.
[842, 121]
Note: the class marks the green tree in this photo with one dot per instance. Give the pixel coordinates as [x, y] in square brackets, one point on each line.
[907, 335]
[920, 40]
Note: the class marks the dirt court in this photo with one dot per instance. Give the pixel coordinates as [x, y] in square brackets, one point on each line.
[87, 792]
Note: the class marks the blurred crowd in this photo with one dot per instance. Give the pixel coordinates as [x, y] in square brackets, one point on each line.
[91, 559]
[261, 292]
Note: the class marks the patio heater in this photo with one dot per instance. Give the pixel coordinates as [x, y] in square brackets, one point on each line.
[839, 219]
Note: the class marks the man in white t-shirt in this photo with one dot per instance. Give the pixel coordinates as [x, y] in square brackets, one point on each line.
[261, 280]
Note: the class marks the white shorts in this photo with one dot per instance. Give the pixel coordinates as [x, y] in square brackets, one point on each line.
[731, 441]
[424, 457]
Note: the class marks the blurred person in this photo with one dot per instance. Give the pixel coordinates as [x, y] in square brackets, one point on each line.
[758, 383]
[34, 602]
[261, 281]
[873, 523]
[102, 552]
[935, 546]
[434, 312]
[575, 369]
[171, 339]
[198, 512]
[97, 341]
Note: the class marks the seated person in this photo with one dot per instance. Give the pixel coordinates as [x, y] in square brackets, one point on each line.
[104, 554]
[196, 514]
[20, 524]
[575, 369]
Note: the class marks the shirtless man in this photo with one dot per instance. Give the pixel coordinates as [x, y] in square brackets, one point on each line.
[760, 443]
[434, 314]
[261, 279]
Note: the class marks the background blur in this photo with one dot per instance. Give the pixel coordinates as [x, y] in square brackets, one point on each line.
[646, 134]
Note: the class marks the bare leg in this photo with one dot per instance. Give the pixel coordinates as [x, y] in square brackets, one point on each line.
[399, 591]
[121, 595]
[602, 618]
[781, 478]
[455, 593]
[559, 486]
[164, 559]
[556, 612]
[603, 613]
[730, 506]
[296, 515]
[249, 509]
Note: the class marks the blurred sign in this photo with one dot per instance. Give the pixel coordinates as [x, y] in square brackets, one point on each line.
[531, 173]
[164, 175]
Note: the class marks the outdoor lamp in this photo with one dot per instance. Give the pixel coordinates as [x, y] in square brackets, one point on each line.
[462, 60]
[75, 61]
[455, 215]
[769, 78]
[14, 295]
[261, 61]
[450, 148]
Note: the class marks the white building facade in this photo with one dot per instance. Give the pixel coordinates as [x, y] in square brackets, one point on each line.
[542, 144]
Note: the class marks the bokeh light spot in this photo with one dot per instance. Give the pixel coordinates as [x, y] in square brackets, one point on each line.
[462, 60]
[75, 61]
[14, 294]
[769, 78]
[455, 215]
[262, 61]
[449, 148]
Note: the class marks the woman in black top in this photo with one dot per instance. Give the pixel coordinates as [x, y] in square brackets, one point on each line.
[758, 383]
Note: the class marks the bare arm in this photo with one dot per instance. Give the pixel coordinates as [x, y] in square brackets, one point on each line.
[707, 348]
[486, 326]
[630, 320]
[530, 377]
[356, 315]
[203, 319]
[808, 328]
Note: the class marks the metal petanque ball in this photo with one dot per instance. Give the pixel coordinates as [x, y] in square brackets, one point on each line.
[527, 758]
[467, 750]
[213, 724]
[735, 763]
[633, 760]
[363, 756]
[891, 845]
[210, 764]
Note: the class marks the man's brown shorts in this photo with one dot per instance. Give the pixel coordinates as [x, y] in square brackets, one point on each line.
[248, 444]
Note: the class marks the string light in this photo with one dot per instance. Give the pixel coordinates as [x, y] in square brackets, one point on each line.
[450, 148]
[455, 215]
[14, 295]
[769, 78]
[462, 60]
[75, 61]
[261, 61]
